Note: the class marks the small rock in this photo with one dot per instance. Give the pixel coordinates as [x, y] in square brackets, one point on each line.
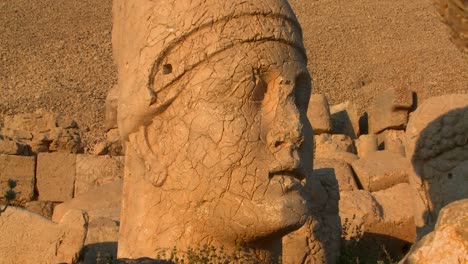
[337, 169]
[366, 145]
[345, 119]
[319, 114]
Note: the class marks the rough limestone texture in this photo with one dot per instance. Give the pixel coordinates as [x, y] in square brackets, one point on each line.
[390, 110]
[345, 119]
[110, 120]
[213, 102]
[319, 114]
[381, 170]
[94, 171]
[318, 240]
[32, 239]
[13, 147]
[396, 229]
[448, 243]
[101, 240]
[333, 143]
[366, 145]
[101, 202]
[22, 170]
[42, 208]
[437, 146]
[43, 131]
[338, 155]
[55, 176]
[337, 169]
[392, 140]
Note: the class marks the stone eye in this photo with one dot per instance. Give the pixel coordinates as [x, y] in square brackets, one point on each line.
[167, 69]
[302, 91]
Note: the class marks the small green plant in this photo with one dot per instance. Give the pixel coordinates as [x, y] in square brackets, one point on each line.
[10, 195]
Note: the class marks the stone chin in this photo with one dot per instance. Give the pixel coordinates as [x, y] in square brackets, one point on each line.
[257, 220]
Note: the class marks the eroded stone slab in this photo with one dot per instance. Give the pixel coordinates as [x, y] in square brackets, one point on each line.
[55, 176]
[381, 170]
[22, 170]
[93, 171]
[30, 238]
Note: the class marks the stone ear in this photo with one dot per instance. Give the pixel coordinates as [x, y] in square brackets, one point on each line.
[156, 170]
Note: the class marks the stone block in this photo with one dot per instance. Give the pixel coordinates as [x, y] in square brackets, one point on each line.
[30, 238]
[345, 119]
[392, 140]
[110, 119]
[389, 110]
[337, 169]
[101, 240]
[103, 201]
[366, 145]
[319, 114]
[338, 155]
[94, 171]
[448, 242]
[333, 143]
[381, 170]
[22, 170]
[55, 176]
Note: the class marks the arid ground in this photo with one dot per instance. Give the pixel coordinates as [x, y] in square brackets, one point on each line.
[57, 55]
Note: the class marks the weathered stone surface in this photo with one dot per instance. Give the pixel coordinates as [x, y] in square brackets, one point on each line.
[366, 145]
[101, 239]
[94, 171]
[318, 240]
[22, 170]
[31, 238]
[390, 110]
[437, 146]
[115, 146]
[338, 155]
[103, 201]
[42, 208]
[55, 176]
[381, 170]
[448, 243]
[337, 169]
[333, 143]
[319, 114]
[397, 225]
[110, 119]
[44, 131]
[392, 140]
[213, 96]
[359, 211]
[345, 119]
[11, 147]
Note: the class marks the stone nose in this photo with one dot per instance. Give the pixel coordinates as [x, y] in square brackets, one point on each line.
[286, 132]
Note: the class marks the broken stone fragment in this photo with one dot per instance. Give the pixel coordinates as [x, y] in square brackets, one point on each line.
[103, 201]
[448, 242]
[30, 238]
[42, 208]
[345, 119]
[110, 119]
[11, 147]
[333, 143]
[319, 114]
[389, 110]
[392, 140]
[381, 170]
[337, 169]
[366, 145]
[94, 171]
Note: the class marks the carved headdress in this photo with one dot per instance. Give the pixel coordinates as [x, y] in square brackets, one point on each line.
[180, 35]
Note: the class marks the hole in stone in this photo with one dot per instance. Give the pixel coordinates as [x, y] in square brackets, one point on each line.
[450, 175]
[167, 68]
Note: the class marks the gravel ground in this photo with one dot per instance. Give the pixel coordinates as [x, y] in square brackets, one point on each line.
[57, 54]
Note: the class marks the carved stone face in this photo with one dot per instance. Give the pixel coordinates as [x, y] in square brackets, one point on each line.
[236, 143]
